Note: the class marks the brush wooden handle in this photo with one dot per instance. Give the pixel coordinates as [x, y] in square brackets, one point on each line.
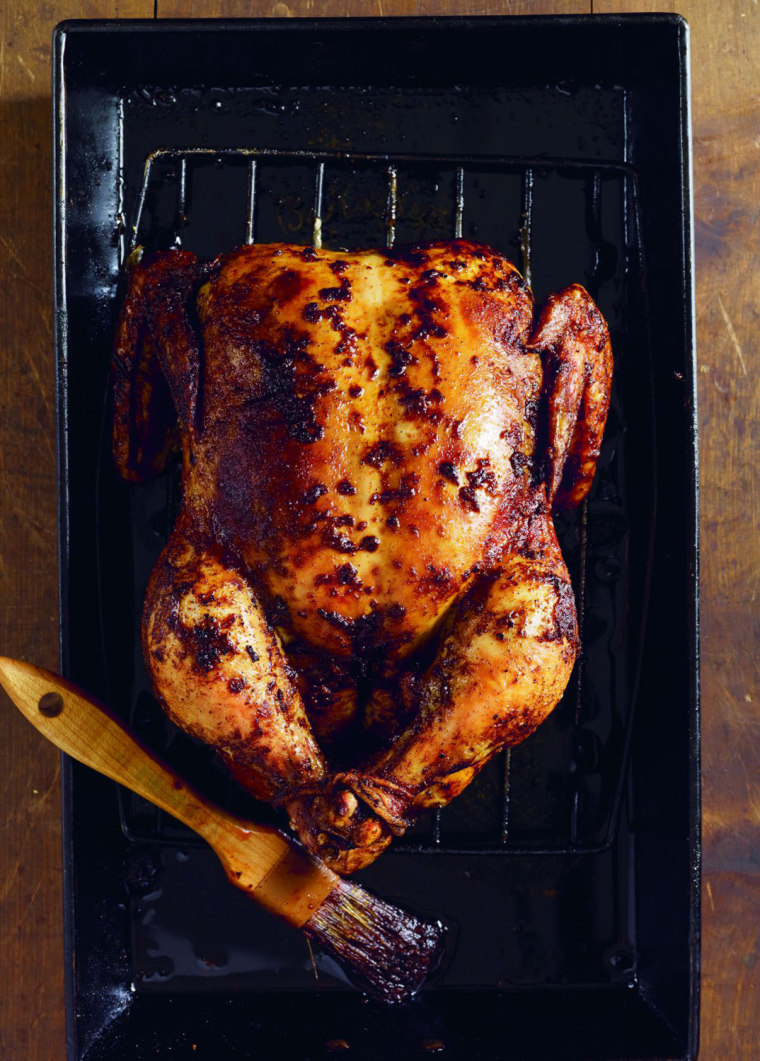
[257, 859]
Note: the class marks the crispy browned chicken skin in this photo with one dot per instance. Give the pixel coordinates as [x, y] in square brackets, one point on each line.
[363, 599]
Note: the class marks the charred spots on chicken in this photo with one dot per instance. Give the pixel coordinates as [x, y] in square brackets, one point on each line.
[564, 613]
[314, 492]
[401, 357]
[381, 453]
[278, 612]
[437, 582]
[435, 365]
[497, 275]
[313, 313]
[347, 575]
[294, 382]
[346, 488]
[371, 640]
[335, 539]
[324, 679]
[373, 636]
[337, 294]
[506, 621]
[482, 478]
[306, 429]
[468, 499]
[356, 421]
[406, 489]
[422, 405]
[335, 619]
[447, 470]
[531, 412]
[330, 526]
[520, 463]
[206, 642]
[428, 311]
[414, 254]
[455, 428]
[439, 688]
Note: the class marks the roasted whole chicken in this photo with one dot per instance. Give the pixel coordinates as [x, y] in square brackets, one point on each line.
[363, 599]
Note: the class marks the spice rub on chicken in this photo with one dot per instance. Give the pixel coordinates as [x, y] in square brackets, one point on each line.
[363, 599]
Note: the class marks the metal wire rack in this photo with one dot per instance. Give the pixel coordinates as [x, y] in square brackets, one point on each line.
[560, 792]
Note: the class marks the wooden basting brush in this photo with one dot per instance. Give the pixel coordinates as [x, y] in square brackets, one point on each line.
[385, 951]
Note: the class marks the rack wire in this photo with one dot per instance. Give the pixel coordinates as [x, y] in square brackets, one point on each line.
[561, 791]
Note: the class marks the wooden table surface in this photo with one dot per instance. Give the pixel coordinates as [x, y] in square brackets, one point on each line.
[726, 108]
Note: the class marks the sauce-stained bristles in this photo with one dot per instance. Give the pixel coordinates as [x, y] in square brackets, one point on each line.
[387, 952]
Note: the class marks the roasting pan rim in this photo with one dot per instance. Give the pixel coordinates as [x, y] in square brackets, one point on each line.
[79, 28]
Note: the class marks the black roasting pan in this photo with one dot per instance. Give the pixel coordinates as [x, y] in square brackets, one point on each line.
[568, 874]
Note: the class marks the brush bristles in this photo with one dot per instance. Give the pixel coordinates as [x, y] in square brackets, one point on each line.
[386, 952]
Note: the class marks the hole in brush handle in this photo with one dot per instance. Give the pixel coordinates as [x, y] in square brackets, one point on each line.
[50, 704]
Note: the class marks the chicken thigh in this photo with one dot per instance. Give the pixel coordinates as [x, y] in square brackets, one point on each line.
[363, 598]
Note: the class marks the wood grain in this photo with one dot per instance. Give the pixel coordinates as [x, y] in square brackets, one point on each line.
[727, 239]
[725, 42]
[363, 8]
[731, 942]
[31, 951]
[726, 54]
